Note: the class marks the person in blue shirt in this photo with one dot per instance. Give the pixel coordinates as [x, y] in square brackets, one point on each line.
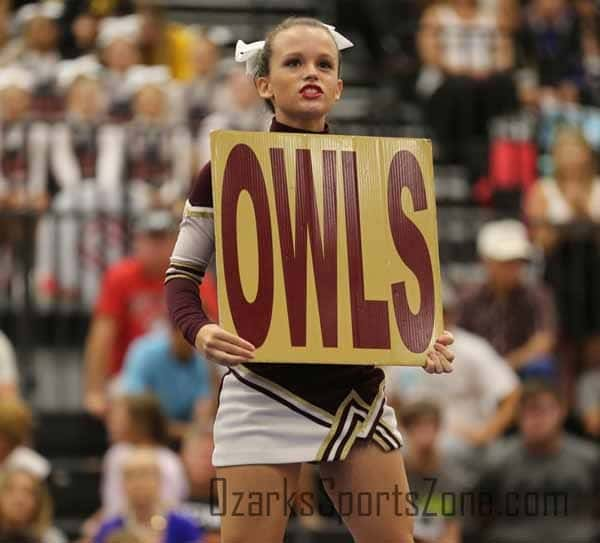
[164, 364]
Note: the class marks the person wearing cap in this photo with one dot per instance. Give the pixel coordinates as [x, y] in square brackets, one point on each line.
[158, 152]
[39, 24]
[478, 400]
[23, 144]
[81, 20]
[131, 304]
[84, 165]
[517, 317]
[118, 45]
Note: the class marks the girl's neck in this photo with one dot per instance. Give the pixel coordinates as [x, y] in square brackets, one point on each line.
[308, 125]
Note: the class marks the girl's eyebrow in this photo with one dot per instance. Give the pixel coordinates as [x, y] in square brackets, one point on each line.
[300, 53]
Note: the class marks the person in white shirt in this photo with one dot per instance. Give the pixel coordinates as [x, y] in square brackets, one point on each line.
[479, 399]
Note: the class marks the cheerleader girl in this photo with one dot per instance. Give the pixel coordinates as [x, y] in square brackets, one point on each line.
[158, 151]
[39, 24]
[118, 46]
[83, 234]
[273, 417]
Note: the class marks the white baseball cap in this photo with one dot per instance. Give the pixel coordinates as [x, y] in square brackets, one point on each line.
[68, 71]
[119, 28]
[503, 241]
[16, 76]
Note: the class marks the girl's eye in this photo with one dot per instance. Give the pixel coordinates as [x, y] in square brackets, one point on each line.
[292, 62]
[326, 64]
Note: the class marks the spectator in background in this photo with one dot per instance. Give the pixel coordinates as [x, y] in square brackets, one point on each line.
[118, 45]
[430, 473]
[465, 77]
[516, 317]
[564, 213]
[238, 107]
[549, 48]
[588, 399]
[80, 23]
[201, 91]
[158, 152]
[23, 145]
[166, 365]
[146, 514]
[10, 49]
[9, 376]
[479, 399]
[135, 421]
[164, 43]
[572, 194]
[26, 509]
[16, 424]
[541, 461]
[74, 245]
[39, 24]
[131, 303]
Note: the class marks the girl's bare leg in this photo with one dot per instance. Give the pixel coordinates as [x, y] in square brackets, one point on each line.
[369, 491]
[256, 501]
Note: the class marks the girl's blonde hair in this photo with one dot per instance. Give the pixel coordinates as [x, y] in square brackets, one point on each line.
[43, 512]
[570, 136]
[16, 422]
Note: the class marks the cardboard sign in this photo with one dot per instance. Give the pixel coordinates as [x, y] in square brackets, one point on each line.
[327, 246]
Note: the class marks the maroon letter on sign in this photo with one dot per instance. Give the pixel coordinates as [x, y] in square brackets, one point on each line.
[370, 323]
[415, 330]
[294, 255]
[242, 172]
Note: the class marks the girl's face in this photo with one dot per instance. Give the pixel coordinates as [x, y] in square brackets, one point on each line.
[18, 502]
[141, 480]
[15, 103]
[206, 55]
[42, 34]
[121, 55]
[150, 102]
[573, 162]
[85, 99]
[303, 82]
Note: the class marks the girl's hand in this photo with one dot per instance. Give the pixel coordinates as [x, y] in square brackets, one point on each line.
[223, 348]
[439, 358]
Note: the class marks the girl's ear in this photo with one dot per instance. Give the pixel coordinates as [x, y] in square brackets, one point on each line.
[339, 89]
[263, 86]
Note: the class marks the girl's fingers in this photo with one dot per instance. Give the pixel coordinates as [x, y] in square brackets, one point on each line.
[230, 348]
[446, 338]
[436, 363]
[431, 364]
[444, 351]
[224, 335]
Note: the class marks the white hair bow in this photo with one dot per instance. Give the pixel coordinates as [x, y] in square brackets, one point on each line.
[249, 52]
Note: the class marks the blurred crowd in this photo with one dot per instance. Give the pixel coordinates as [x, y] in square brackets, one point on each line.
[105, 113]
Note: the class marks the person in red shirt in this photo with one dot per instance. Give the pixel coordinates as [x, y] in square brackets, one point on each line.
[131, 303]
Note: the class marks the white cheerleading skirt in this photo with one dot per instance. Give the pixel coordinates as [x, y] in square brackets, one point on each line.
[260, 422]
